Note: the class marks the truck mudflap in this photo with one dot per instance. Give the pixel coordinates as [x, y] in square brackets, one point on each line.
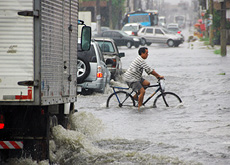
[11, 145]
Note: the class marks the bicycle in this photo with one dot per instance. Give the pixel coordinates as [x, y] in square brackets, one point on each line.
[122, 98]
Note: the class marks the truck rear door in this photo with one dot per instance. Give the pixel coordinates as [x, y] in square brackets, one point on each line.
[16, 51]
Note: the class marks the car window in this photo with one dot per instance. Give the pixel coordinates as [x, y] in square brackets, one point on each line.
[158, 31]
[106, 34]
[116, 34]
[89, 55]
[149, 30]
[106, 46]
[100, 54]
[143, 30]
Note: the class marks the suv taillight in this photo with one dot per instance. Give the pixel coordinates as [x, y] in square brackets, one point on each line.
[99, 72]
[2, 122]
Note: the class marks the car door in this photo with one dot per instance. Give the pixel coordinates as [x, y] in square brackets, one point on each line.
[160, 36]
[118, 38]
[149, 35]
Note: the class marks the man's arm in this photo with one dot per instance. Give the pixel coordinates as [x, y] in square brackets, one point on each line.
[157, 75]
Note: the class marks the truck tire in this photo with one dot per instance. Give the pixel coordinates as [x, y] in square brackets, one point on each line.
[83, 69]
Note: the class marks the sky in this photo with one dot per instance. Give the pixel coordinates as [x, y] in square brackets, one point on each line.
[174, 2]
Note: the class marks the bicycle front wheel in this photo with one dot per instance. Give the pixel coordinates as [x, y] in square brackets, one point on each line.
[167, 99]
[119, 99]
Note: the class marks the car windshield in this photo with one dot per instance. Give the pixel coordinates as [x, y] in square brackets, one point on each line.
[106, 46]
[139, 18]
[130, 28]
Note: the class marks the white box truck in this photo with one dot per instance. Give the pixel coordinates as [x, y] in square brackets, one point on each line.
[38, 72]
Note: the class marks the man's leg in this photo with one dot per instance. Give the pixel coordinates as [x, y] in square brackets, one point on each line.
[145, 83]
[141, 97]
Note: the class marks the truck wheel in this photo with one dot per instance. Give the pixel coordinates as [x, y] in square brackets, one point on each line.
[170, 43]
[129, 44]
[83, 69]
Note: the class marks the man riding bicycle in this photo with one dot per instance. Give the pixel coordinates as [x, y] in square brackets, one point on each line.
[133, 76]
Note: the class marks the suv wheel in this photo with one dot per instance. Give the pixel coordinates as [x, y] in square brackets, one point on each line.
[170, 43]
[83, 69]
[129, 44]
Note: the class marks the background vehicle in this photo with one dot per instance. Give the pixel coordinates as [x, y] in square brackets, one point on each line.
[37, 73]
[176, 31]
[159, 35]
[145, 18]
[162, 21]
[110, 51]
[93, 74]
[121, 38]
[132, 29]
[180, 20]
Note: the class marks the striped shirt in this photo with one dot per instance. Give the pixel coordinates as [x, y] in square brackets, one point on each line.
[135, 71]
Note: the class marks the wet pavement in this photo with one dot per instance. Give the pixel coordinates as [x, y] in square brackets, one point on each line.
[197, 132]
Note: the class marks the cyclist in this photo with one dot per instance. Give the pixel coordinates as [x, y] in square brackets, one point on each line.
[133, 76]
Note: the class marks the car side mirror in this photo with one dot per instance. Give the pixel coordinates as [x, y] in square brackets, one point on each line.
[109, 62]
[121, 55]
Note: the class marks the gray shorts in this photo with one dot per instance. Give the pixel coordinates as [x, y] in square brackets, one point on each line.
[137, 85]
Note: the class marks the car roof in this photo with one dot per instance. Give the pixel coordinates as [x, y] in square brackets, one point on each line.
[103, 39]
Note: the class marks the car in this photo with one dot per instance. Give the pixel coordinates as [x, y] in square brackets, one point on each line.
[176, 31]
[172, 25]
[122, 39]
[110, 51]
[103, 28]
[155, 34]
[92, 74]
[132, 29]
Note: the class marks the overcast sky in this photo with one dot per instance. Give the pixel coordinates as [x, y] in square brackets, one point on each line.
[174, 2]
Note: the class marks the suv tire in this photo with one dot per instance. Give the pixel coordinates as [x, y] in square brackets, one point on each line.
[83, 69]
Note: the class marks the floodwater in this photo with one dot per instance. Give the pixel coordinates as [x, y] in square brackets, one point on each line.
[197, 132]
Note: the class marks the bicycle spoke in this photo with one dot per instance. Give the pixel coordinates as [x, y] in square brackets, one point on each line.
[171, 100]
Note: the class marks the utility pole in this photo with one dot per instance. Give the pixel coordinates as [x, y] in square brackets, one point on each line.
[211, 22]
[110, 15]
[98, 16]
[223, 28]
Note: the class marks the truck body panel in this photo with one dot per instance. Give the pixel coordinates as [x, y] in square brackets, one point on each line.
[39, 50]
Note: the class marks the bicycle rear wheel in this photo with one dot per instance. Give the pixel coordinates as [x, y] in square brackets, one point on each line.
[119, 99]
[167, 99]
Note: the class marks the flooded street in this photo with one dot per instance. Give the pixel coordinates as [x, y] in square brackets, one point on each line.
[197, 132]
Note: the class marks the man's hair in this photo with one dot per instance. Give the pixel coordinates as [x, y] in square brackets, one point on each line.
[142, 50]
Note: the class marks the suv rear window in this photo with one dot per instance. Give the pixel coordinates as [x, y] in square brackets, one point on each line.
[89, 55]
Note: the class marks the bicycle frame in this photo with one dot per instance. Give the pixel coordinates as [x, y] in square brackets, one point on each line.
[120, 104]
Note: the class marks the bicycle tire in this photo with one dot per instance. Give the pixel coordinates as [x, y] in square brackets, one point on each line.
[167, 99]
[122, 95]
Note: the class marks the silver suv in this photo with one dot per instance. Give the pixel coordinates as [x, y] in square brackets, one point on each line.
[92, 74]
[110, 51]
[159, 35]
